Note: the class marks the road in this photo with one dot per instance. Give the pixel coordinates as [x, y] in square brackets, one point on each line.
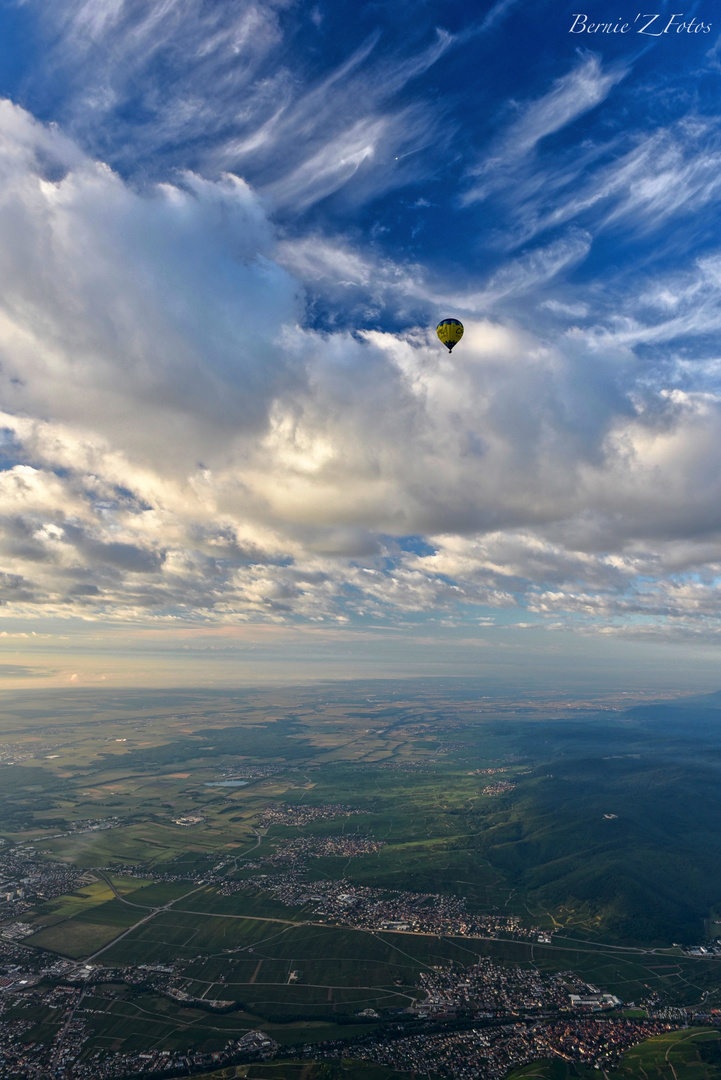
[141, 922]
[152, 912]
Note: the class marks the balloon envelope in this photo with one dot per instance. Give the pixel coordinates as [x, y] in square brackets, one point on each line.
[450, 332]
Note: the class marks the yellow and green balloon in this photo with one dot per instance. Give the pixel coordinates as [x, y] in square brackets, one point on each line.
[450, 332]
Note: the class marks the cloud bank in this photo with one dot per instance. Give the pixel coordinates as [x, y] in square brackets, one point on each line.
[180, 444]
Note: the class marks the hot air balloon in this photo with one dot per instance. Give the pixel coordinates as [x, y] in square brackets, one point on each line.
[450, 332]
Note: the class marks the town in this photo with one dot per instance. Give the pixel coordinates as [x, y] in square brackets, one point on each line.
[368, 908]
[474, 1023]
[489, 1053]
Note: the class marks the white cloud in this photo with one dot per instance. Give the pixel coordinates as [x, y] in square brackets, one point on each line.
[641, 180]
[332, 166]
[243, 103]
[586, 86]
[180, 447]
[574, 94]
[153, 314]
[107, 49]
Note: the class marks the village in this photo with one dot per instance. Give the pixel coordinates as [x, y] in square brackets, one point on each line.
[490, 1052]
[368, 908]
[475, 1023]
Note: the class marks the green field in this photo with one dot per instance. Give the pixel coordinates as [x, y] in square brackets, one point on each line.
[344, 1070]
[689, 1054]
[693, 1054]
[610, 836]
[555, 1069]
[609, 828]
[201, 926]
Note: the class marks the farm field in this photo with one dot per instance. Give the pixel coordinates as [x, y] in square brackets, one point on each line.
[282, 1070]
[413, 776]
[687, 1055]
[203, 926]
[201, 828]
[691, 1054]
[555, 1069]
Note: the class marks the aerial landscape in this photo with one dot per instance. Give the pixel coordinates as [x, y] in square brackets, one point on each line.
[360, 540]
[396, 874]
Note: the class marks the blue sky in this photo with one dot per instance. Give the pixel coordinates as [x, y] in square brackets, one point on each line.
[232, 446]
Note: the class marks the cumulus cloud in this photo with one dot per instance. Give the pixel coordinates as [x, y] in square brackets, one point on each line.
[151, 318]
[179, 445]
